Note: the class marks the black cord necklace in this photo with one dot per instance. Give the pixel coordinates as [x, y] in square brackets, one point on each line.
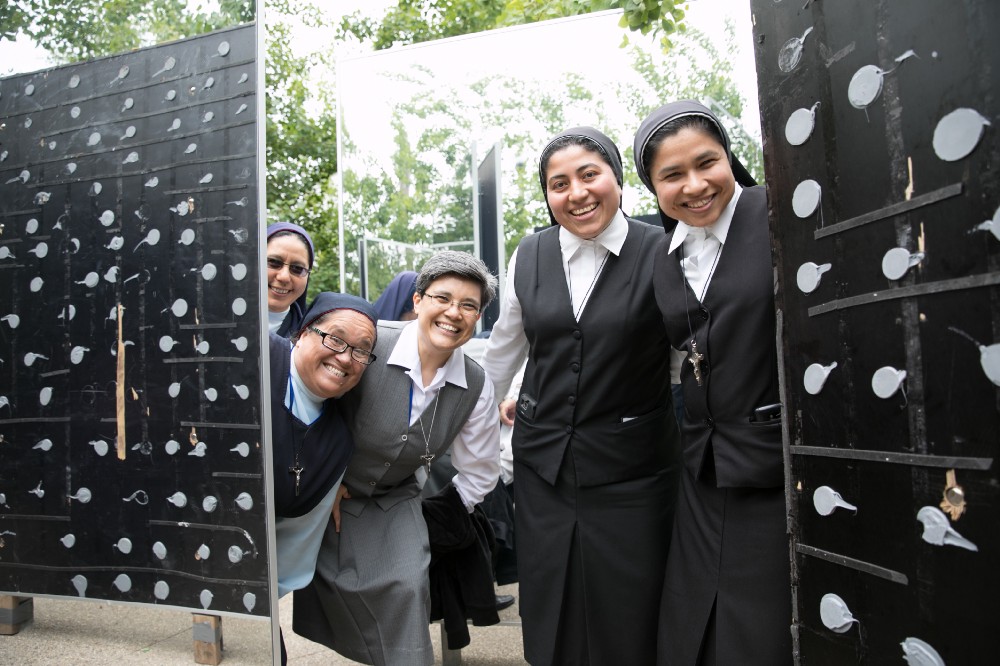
[586, 295]
[694, 357]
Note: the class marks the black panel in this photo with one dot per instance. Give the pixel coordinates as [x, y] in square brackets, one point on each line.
[885, 185]
[137, 213]
[489, 221]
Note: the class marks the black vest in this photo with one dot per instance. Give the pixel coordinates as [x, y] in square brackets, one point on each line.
[324, 447]
[735, 330]
[583, 378]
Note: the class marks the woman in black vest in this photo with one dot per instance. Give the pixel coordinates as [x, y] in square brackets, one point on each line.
[595, 443]
[726, 595]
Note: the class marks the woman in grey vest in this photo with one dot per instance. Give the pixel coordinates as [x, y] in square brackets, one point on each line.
[370, 599]
[726, 594]
[595, 439]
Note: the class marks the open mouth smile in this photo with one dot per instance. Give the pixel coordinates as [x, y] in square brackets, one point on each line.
[701, 203]
[584, 210]
[334, 370]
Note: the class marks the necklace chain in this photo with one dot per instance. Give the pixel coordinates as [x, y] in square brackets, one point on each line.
[586, 295]
[694, 357]
[428, 456]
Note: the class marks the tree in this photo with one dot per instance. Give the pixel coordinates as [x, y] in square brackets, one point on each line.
[73, 31]
[416, 196]
[415, 21]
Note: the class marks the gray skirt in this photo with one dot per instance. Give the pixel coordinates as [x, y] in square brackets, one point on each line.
[370, 598]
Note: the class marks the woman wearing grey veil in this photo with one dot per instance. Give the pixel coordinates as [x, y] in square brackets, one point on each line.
[595, 443]
[726, 594]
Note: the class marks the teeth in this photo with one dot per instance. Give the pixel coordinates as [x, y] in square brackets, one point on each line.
[448, 327]
[586, 209]
[699, 204]
[278, 290]
[333, 370]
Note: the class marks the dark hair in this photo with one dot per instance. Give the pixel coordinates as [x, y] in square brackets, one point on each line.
[462, 265]
[565, 142]
[672, 127]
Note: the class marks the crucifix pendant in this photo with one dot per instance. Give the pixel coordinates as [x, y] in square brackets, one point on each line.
[297, 471]
[427, 458]
[694, 358]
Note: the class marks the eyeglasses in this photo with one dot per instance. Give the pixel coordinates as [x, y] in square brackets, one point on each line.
[335, 344]
[467, 308]
[297, 270]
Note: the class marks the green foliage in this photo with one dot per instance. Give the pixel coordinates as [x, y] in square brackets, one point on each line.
[301, 141]
[430, 202]
[86, 29]
[415, 21]
[421, 198]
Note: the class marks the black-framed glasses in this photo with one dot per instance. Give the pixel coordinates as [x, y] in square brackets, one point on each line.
[337, 345]
[467, 308]
[297, 270]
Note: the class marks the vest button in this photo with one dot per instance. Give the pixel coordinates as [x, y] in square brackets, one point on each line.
[577, 334]
[571, 400]
[709, 422]
[371, 483]
[703, 312]
[388, 464]
[575, 367]
[569, 430]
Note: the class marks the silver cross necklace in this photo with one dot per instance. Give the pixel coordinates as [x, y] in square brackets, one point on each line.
[694, 357]
[427, 457]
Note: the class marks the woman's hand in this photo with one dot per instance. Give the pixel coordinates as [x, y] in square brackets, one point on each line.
[507, 409]
[342, 492]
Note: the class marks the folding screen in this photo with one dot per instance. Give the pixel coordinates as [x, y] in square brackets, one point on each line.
[131, 457]
[883, 173]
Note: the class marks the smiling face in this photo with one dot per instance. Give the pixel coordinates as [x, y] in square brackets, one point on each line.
[325, 373]
[692, 178]
[442, 329]
[581, 190]
[283, 287]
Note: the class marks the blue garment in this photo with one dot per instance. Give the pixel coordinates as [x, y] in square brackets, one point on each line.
[397, 299]
[321, 449]
[298, 540]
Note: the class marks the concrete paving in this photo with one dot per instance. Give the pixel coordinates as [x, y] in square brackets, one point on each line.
[71, 632]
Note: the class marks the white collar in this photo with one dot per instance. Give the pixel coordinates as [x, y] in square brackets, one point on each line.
[720, 229]
[612, 238]
[406, 355]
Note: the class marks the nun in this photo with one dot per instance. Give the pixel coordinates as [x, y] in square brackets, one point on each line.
[726, 594]
[396, 302]
[290, 256]
[370, 599]
[310, 441]
[595, 441]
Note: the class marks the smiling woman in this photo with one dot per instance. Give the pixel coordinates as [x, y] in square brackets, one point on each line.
[595, 442]
[370, 598]
[289, 261]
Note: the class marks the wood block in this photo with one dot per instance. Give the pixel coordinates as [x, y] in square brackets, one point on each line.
[14, 613]
[207, 633]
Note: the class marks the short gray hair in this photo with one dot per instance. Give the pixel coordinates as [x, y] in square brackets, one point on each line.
[462, 265]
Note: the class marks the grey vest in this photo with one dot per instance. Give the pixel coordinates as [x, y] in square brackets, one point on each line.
[387, 450]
